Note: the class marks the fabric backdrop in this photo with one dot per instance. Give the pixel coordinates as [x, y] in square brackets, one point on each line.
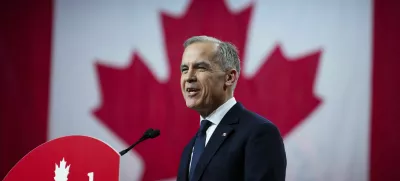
[325, 72]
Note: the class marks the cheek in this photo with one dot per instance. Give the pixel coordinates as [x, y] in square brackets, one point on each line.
[210, 87]
[182, 82]
[217, 85]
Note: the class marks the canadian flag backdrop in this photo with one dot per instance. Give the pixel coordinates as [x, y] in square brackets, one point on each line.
[324, 71]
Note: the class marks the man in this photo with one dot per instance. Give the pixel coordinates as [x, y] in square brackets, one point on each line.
[232, 143]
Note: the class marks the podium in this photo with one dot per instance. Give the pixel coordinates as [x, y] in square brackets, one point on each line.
[69, 158]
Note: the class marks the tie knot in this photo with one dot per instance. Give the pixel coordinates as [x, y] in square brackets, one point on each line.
[204, 126]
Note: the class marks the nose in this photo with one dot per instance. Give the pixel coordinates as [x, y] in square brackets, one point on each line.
[191, 79]
[191, 76]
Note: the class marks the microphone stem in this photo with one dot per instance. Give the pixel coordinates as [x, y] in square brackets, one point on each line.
[123, 152]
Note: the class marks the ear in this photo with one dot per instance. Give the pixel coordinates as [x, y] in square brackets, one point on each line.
[231, 77]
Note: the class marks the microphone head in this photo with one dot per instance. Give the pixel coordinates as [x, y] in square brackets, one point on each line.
[155, 133]
[150, 133]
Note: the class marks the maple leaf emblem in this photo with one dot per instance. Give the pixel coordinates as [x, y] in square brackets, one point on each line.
[62, 171]
[133, 100]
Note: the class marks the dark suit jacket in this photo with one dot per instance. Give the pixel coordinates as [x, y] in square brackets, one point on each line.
[252, 149]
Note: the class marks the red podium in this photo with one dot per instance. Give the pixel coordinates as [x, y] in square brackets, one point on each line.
[72, 158]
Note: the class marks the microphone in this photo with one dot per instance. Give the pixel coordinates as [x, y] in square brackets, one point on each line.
[150, 133]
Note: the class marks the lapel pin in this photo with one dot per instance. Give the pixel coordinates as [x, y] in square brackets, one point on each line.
[223, 134]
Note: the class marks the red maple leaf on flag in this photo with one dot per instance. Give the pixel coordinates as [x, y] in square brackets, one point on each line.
[133, 100]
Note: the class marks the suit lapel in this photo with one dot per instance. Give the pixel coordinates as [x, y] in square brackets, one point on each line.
[221, 133]
[210, 150]
[184, 168]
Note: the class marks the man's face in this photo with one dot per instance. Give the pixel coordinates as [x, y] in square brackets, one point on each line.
[202, 79]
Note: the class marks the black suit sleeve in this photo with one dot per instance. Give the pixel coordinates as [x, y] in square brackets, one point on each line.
[265, 157]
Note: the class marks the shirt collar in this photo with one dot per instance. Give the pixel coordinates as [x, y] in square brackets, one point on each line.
[216, 116]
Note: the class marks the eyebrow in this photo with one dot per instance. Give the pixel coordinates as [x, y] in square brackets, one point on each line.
[197, 64]
[183, 66]
[202, 63]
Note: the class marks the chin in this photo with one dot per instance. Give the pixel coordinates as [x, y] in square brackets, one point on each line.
[192, 105]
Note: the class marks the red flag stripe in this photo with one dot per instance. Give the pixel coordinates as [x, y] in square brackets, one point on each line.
[385, 126]
[25, 51]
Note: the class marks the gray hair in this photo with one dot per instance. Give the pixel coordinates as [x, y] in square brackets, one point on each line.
[227, 53]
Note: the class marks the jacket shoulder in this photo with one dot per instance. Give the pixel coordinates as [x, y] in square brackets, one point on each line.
[257, 123]
[251, 118]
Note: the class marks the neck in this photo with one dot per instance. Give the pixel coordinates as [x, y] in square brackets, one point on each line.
[206, 112]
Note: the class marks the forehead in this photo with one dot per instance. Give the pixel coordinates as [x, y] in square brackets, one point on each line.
[199, 51]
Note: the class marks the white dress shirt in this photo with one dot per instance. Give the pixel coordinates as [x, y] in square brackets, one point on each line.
[215, 118]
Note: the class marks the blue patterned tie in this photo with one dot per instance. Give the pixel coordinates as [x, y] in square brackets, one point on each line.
[199, 145]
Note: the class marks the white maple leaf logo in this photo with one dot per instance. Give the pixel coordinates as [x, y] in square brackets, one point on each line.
[61, 171]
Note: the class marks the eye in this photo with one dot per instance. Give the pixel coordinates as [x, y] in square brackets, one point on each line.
[183, 70]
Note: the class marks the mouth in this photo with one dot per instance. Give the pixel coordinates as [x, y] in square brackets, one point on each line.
[191, 92]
